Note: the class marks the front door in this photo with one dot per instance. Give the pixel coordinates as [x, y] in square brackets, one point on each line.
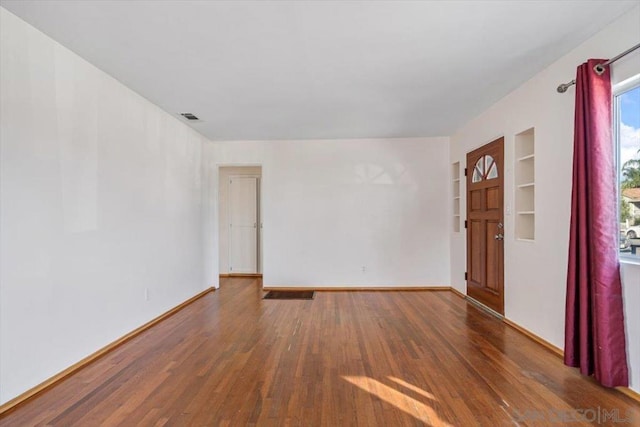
[485, 230]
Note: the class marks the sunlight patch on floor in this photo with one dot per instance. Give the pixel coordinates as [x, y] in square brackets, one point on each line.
[412, 388]
[409, 405]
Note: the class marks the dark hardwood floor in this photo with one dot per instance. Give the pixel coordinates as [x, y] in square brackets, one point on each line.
[344, 358]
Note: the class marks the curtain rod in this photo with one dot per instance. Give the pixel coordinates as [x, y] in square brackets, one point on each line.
[598, 68]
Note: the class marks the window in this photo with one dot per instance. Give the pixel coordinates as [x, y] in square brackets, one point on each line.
[485, 168]
[627, 136]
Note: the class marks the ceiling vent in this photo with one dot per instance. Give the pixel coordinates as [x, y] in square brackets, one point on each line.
[189, 116]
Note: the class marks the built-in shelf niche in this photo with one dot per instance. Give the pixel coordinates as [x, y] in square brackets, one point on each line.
[455, 183]
[525, 185]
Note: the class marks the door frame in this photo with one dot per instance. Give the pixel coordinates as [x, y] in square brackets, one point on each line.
[219, 207]
[499, 310]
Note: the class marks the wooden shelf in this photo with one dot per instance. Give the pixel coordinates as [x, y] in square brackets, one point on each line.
[527, 157]
[528, 184]
[526, 213]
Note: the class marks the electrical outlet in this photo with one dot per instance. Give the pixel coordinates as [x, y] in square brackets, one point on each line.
[364, 269]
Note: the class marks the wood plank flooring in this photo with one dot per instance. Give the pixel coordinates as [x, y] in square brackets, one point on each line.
[344, 358]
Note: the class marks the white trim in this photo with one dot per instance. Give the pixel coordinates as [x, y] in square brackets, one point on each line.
[626, 85]
[626, 259]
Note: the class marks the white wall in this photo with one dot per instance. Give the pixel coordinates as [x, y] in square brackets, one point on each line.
[535, 273]
[100, 201]
[223, 211]
[333, 207]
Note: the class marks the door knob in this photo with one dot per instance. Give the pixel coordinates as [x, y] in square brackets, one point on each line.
[499, 236]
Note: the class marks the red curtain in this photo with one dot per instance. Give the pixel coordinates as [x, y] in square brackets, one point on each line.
[594, 328]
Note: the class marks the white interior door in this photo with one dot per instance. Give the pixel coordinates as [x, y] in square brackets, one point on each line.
[243, 224]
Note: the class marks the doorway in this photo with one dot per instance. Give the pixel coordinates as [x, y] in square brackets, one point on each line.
[485, 225]
[240, 225]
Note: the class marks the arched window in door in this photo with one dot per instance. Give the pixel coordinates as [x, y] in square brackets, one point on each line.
[485, 168]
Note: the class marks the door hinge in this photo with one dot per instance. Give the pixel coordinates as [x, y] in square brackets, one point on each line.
[465, 171]
[466, 276]
[466, 225]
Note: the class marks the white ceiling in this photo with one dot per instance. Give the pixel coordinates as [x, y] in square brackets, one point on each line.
[321, 69]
